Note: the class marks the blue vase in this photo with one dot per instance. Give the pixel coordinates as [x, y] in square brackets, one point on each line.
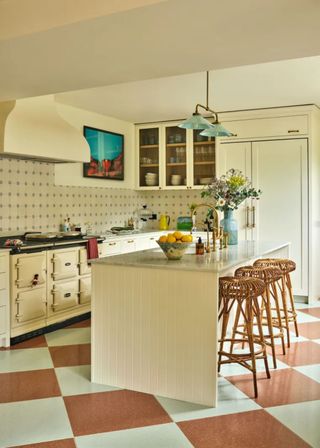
[230, 225]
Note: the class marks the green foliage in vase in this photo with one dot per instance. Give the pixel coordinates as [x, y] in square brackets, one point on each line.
[230, 190]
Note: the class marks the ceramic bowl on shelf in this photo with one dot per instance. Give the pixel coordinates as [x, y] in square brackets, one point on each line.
[205, 180]
[174, 251]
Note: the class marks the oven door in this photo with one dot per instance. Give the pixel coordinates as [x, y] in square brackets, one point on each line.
[65, 263]
[85, 290]
[84, 267]
[65, 295]
[31, 305]
[29, 270]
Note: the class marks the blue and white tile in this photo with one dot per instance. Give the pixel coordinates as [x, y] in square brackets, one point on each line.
[312, 371]
[76, 380]
[230, 400]
[159, 436]
[21, 360]
[237, 369]
[301, 418]
[34, 421]
[69, 336]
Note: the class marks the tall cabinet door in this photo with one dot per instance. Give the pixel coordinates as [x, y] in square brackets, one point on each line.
[237, 156]
[279, 169]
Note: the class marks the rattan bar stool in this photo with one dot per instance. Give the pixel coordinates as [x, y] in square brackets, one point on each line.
[288, 311]
[269, 275]
[242, 294]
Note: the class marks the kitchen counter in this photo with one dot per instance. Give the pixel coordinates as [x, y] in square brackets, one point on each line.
[213, 262]
[155, 322]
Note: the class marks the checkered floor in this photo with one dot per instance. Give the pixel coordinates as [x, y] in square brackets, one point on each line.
[47, 400]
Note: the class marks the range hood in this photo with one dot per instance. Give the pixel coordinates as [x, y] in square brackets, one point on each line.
[32, 128]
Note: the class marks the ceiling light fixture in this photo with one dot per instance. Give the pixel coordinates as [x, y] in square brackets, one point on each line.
[197, 121]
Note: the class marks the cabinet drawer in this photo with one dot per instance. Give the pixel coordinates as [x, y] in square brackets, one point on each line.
[3, 319]
[269, 127]
[4, 297]
[3, 280]
[111, 248]
[128, 245]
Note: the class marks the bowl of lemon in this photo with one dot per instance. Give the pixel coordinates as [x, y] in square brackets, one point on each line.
[175, 244]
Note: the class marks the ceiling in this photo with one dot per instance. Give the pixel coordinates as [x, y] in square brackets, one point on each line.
[52, 46]
[282, 83]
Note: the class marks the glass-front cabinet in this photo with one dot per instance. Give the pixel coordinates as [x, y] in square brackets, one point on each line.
[149, 157]
[173, 158]
[204, 158]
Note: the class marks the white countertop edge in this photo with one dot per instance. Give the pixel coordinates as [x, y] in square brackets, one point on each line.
[218, 261]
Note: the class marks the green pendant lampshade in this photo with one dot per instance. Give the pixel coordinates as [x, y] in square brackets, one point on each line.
[196, 122]
[216, 130]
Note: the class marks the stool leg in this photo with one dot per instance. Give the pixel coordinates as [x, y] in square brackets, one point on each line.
[270, 327]
[235, 327]
[293, 308]
[261, 336]
[278, 311]
[225, 320]
[253, 357]
[285, 308]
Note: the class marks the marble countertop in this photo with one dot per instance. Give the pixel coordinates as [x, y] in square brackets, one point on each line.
[214, 262]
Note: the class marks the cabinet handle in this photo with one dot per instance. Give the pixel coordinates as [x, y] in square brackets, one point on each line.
[112, 244]
[160, 188]
[67, 294]
[247, 217]
[253, 217]
[292, 131]
[130, 241]
[68, 264]
[152, 238]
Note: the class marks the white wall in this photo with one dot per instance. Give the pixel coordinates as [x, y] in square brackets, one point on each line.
[72, 173]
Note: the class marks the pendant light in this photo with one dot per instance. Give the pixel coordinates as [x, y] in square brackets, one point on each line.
[197, 121]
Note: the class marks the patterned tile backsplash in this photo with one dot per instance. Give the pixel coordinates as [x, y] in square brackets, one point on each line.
[29, 200]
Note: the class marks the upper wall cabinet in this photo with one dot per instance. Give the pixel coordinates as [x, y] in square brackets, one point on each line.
[173, 158]
[283, 126]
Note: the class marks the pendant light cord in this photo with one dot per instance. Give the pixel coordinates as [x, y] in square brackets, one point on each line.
[207, 108]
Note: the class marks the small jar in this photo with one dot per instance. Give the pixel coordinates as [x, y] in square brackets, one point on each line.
[199, 247]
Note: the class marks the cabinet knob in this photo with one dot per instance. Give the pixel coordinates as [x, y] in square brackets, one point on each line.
[160, 188]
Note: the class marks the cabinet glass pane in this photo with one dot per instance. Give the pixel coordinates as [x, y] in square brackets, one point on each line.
[149, 157]
[204, 158]
[176, 160]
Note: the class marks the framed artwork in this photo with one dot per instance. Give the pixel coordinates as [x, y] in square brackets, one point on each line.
[106, 154]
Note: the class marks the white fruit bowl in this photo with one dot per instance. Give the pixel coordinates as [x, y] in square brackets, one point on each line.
[174, 251]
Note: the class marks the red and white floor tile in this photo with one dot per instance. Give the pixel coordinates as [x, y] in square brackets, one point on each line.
[48, 401]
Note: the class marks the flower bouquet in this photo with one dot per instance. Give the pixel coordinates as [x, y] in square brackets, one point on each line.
[228, 192]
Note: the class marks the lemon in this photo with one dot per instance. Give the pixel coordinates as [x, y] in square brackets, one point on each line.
[178, 235]
[171, 239]
[187, 238]
[163, 239]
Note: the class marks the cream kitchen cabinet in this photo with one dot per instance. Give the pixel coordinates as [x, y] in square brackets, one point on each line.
[264, 127]
[279, 168]
[178, 159]
[4, 300]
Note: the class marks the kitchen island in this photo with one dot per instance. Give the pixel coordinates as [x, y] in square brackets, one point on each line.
[155, 321]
